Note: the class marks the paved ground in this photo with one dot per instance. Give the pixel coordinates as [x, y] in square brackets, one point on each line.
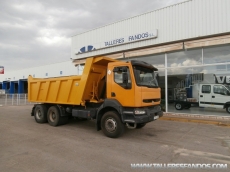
[77, 146]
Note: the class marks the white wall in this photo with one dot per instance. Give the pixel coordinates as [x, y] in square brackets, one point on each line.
[187, 20]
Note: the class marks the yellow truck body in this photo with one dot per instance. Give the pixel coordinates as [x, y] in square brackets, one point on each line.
[115, 93]
[72, 90]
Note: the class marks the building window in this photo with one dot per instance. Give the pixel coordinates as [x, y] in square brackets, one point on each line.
[217, 54]
[221, 68]
[228, 67]
[157, 61]
[185, 58]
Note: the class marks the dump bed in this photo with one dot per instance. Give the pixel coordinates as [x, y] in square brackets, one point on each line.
[74, 90]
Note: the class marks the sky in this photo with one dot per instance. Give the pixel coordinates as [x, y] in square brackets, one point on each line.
[35, 33]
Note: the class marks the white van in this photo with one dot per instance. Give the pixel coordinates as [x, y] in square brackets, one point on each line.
[210, 95]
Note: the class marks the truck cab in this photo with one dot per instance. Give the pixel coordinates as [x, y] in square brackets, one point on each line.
[133, 84]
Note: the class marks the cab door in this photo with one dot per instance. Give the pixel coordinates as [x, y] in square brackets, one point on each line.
[219, 96]
[121, 85]
[205, 99]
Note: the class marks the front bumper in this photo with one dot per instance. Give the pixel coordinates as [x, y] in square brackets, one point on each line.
[151, 114]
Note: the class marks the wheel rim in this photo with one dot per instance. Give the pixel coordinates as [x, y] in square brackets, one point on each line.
[178, 106]
[52, 116]
[38, 114]
[110, 125]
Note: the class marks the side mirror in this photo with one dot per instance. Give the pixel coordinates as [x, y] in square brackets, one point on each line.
[157, 77]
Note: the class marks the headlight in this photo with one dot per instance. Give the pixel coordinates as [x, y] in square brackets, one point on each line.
[139, 112]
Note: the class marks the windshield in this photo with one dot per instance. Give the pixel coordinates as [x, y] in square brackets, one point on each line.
[145, 76]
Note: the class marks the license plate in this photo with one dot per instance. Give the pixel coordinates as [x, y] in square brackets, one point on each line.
[156, 117]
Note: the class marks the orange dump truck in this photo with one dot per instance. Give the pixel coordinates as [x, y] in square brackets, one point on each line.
[114, 93]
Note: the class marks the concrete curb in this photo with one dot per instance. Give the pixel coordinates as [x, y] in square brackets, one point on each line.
[204, 119]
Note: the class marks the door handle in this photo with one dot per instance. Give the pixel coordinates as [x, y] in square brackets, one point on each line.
[213, 96]
[201, 95]
[113, 94]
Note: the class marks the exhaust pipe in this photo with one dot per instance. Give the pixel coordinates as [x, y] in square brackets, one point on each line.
[131, 127]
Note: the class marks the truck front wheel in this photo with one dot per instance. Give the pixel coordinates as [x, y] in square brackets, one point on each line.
[40, 112]
[111, 124]
[228, 109]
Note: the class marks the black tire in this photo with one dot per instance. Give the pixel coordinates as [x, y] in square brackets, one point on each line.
[228, 108]
[179, 106]
[139, 126]
[40, 113]
[111, 125]
[54, 118]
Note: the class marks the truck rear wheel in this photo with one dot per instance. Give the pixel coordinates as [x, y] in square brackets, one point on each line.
[179, 106]
[111, 124]
[40, 113]
[54, 118]
[228, 109]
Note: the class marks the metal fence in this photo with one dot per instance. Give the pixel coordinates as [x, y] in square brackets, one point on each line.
[13, 99]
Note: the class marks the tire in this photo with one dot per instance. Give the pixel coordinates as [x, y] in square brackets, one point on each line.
[228, 108]
[111, 124]
[54, 118]
[139, 126]
[179, 106]
[40, 113]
